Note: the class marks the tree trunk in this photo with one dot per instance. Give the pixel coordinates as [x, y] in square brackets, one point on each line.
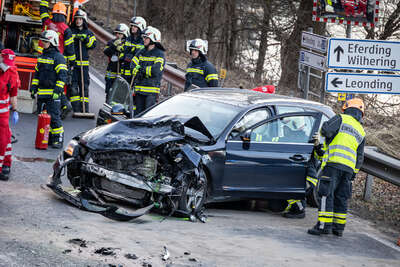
[291, 46]
[262, 49]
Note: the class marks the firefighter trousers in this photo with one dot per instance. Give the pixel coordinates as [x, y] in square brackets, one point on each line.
[56, 134]
[143, 102]
[76, 89]
[334, 188]
[109, 83]
[5, 141]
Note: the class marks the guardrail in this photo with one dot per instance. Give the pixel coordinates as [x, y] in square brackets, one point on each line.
[375, 163]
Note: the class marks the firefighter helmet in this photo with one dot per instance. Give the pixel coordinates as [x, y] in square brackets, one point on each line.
[8, 56]
[139, 22]
[122, 28]
[197, 44]
[118, 109]
[153, 33]
[50, 36]
[354, 103]
[60, 8]
[81, 14]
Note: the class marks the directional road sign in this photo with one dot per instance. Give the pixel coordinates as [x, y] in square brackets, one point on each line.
[363, 54]
[314, 41]
[313, 60]
[362, 83]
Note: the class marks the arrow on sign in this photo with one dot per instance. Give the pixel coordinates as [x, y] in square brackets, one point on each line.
[335, 82]
[338, 50]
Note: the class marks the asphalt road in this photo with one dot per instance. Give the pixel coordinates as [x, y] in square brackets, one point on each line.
[36, 227]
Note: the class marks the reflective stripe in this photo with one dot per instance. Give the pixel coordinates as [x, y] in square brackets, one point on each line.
[40, 49]
[199, 71]
[91, 41]
[5, 101]
[82, 63]
[45, 91]
[258, 137]
[211, 77]
[135, 60]
[348, 149]
[312, 180]
[159, 60]
[60, 84]
[60, 67]
[69, 41]
[57, 130]
[275, 139]
[4, 110]
[338, 154]
[111, 75]
[86, 99]
[148, 71]
[71, 58]
[35, 81]
[8, 153]
[8, 146]
[147, 89]
[44, 3]
[141, 58]
[74, 98]
[339, 218]
[45, 60]
[44, 15]
[356, 171]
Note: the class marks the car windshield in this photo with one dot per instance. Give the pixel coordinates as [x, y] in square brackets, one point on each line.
[214, 115]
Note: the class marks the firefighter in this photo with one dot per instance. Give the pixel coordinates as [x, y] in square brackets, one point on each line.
[84, 40]
[48, 83]
[9, 84]
[113, 50]
[345, 139]
[132, 45]
[200, 71]
[66, 41]
[148, 67]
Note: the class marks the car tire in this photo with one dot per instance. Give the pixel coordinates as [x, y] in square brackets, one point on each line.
[277, 205]
[194, 194]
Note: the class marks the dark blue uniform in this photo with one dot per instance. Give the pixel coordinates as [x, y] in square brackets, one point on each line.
[133, 44]
[88, 42]
[201, 72]
[114, 64]
[148, 76]
[49, 78]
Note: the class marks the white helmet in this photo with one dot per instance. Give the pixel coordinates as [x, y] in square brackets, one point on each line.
[50, 36]
[122, 28]
[138, 22]
[152, 33]
[81, 14]
[197, 44]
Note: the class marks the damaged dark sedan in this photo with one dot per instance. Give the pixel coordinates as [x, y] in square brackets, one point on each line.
[202, 146]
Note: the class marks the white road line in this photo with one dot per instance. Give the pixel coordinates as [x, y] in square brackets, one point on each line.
[96, 80]
[385, 242]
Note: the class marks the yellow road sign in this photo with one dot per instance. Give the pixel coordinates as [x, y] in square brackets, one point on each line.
[222, 73]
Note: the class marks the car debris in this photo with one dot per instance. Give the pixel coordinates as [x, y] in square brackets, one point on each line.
[150, 163]
[166, 254]
[131, 256]
[77, 241]
[106, 251]
[67, 251]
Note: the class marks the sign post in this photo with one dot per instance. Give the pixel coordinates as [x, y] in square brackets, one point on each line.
[362, 83]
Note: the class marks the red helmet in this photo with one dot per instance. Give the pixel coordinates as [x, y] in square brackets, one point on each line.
[8, 56]
[268, 89]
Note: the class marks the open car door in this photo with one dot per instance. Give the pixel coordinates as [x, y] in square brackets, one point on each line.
[269, 160]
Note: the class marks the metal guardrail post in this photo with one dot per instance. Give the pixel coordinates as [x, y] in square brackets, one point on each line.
[369, 182]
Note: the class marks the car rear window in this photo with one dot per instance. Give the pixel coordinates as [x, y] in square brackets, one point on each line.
[214, 115]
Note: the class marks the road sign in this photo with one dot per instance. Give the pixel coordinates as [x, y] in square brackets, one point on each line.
[341, 97]
[222, 73]
[314, 41]
[313, 60]
[362, 83]
[363, 54]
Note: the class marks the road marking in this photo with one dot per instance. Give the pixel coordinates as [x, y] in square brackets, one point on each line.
[384, 242]
[96, 80]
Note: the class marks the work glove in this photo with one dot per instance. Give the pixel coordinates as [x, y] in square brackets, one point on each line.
[120, 48]
[117, 42]
[15, 117]
[315, 139]
[141, 74]
[82, 37]
[56, 96]
[33, 92]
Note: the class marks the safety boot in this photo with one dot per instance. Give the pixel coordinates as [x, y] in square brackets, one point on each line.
[5, 173]
[300, 214]
[337, 232]
[316, 230]
[66, 110]
[58, 141]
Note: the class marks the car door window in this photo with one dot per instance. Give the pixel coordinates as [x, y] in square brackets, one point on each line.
[288, 109]
[248, 120]
[291, 129]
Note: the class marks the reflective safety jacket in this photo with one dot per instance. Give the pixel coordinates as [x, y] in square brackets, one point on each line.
[114, 64]
[66, 41]
[148, 76]
[202, 73]
[50, 74]
[9, 84]
[346, 149]
[131, 47]
[89, 42]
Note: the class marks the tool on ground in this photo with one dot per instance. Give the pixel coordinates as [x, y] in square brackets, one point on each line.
[84, 114]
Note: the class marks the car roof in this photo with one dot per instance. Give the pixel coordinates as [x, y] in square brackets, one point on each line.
[245, 98]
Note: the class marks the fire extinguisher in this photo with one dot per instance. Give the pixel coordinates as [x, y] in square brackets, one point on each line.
[42, 131]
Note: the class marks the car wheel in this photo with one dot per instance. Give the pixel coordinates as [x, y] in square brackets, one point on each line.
[194, 194]
[277, 205]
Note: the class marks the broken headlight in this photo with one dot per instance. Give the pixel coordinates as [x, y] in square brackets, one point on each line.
[69, 149]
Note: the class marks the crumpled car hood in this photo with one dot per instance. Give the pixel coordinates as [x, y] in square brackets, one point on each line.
[141, 133]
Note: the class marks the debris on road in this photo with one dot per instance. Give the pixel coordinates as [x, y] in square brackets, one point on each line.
[192, 259]
[166, 254]
[67, 251]
[131, 256]
[186, 253]
[106, 251]
[77, 241]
